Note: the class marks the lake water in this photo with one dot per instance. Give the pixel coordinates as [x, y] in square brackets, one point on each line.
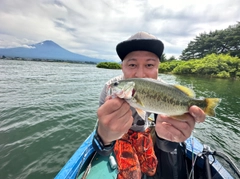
[47, 110]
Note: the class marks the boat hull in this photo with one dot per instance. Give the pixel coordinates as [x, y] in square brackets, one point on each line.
[101, 168]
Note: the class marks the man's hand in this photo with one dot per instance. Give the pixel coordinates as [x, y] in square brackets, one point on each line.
[179, 128]
[114, 119]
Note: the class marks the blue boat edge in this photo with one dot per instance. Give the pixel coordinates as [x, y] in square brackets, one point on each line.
[195, 147]
[71, 168]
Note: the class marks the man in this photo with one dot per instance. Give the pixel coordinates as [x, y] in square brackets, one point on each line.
[141, 55]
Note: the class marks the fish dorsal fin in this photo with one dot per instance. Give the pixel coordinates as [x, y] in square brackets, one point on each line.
[186, 90]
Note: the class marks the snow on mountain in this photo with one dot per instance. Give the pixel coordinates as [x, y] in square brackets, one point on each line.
[46, 50]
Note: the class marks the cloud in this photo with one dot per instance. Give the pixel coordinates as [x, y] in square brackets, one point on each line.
[93, 28]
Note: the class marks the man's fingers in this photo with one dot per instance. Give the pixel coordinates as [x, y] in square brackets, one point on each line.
[176, 129]
[197, 113]
[110, 106]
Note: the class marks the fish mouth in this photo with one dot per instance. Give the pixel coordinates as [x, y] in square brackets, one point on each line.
[133, 92]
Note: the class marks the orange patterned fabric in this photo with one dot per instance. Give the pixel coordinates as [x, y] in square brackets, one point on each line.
[135, 155]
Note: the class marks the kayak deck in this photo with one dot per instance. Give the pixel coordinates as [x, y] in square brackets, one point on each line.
[100, 165]
[100, 168]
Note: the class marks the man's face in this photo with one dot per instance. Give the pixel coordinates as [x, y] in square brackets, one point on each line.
[140, 64]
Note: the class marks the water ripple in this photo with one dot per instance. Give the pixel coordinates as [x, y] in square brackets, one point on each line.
[48, 109]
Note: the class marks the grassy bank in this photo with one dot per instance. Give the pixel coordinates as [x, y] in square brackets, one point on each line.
[219, 66]
[109, 65]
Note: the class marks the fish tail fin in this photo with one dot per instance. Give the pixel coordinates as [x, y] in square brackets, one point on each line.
[212, 103]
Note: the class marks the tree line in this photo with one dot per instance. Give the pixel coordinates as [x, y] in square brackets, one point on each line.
[225, 41]
[213, 65]
[215, 54]
[109, 65]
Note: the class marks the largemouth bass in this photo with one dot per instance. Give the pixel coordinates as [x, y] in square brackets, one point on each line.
[149, 95]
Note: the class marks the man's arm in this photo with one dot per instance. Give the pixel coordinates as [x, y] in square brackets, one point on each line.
[114, 120]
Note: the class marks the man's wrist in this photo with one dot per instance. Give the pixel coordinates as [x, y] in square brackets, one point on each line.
[166, 145]
[105, 143]
[100, 147]
[102, 141]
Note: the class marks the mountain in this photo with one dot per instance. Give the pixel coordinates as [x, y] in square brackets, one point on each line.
[46, 50]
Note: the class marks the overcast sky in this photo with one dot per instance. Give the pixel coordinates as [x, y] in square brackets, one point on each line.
[94, 27]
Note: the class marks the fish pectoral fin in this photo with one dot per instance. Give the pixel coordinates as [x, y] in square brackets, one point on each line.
[141, 113]
[138, 100]
[186, 90]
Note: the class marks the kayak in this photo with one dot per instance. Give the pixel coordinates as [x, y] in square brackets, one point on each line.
[86, 163]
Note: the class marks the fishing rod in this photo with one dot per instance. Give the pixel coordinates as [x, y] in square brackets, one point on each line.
[84, 176]
[228, 160]
[206, 153]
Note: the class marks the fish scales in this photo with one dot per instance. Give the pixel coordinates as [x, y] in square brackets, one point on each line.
[157, 97]
[161, 96]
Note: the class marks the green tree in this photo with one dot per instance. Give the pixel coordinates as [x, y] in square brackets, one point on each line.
[214, 65]
[163, 58]
[172, 58]
[225, 41]
[167, 67]
[109, 65]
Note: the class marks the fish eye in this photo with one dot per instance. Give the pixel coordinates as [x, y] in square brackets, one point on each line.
[115, 84]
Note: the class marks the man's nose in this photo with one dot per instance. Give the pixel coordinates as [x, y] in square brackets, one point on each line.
[140, 73]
